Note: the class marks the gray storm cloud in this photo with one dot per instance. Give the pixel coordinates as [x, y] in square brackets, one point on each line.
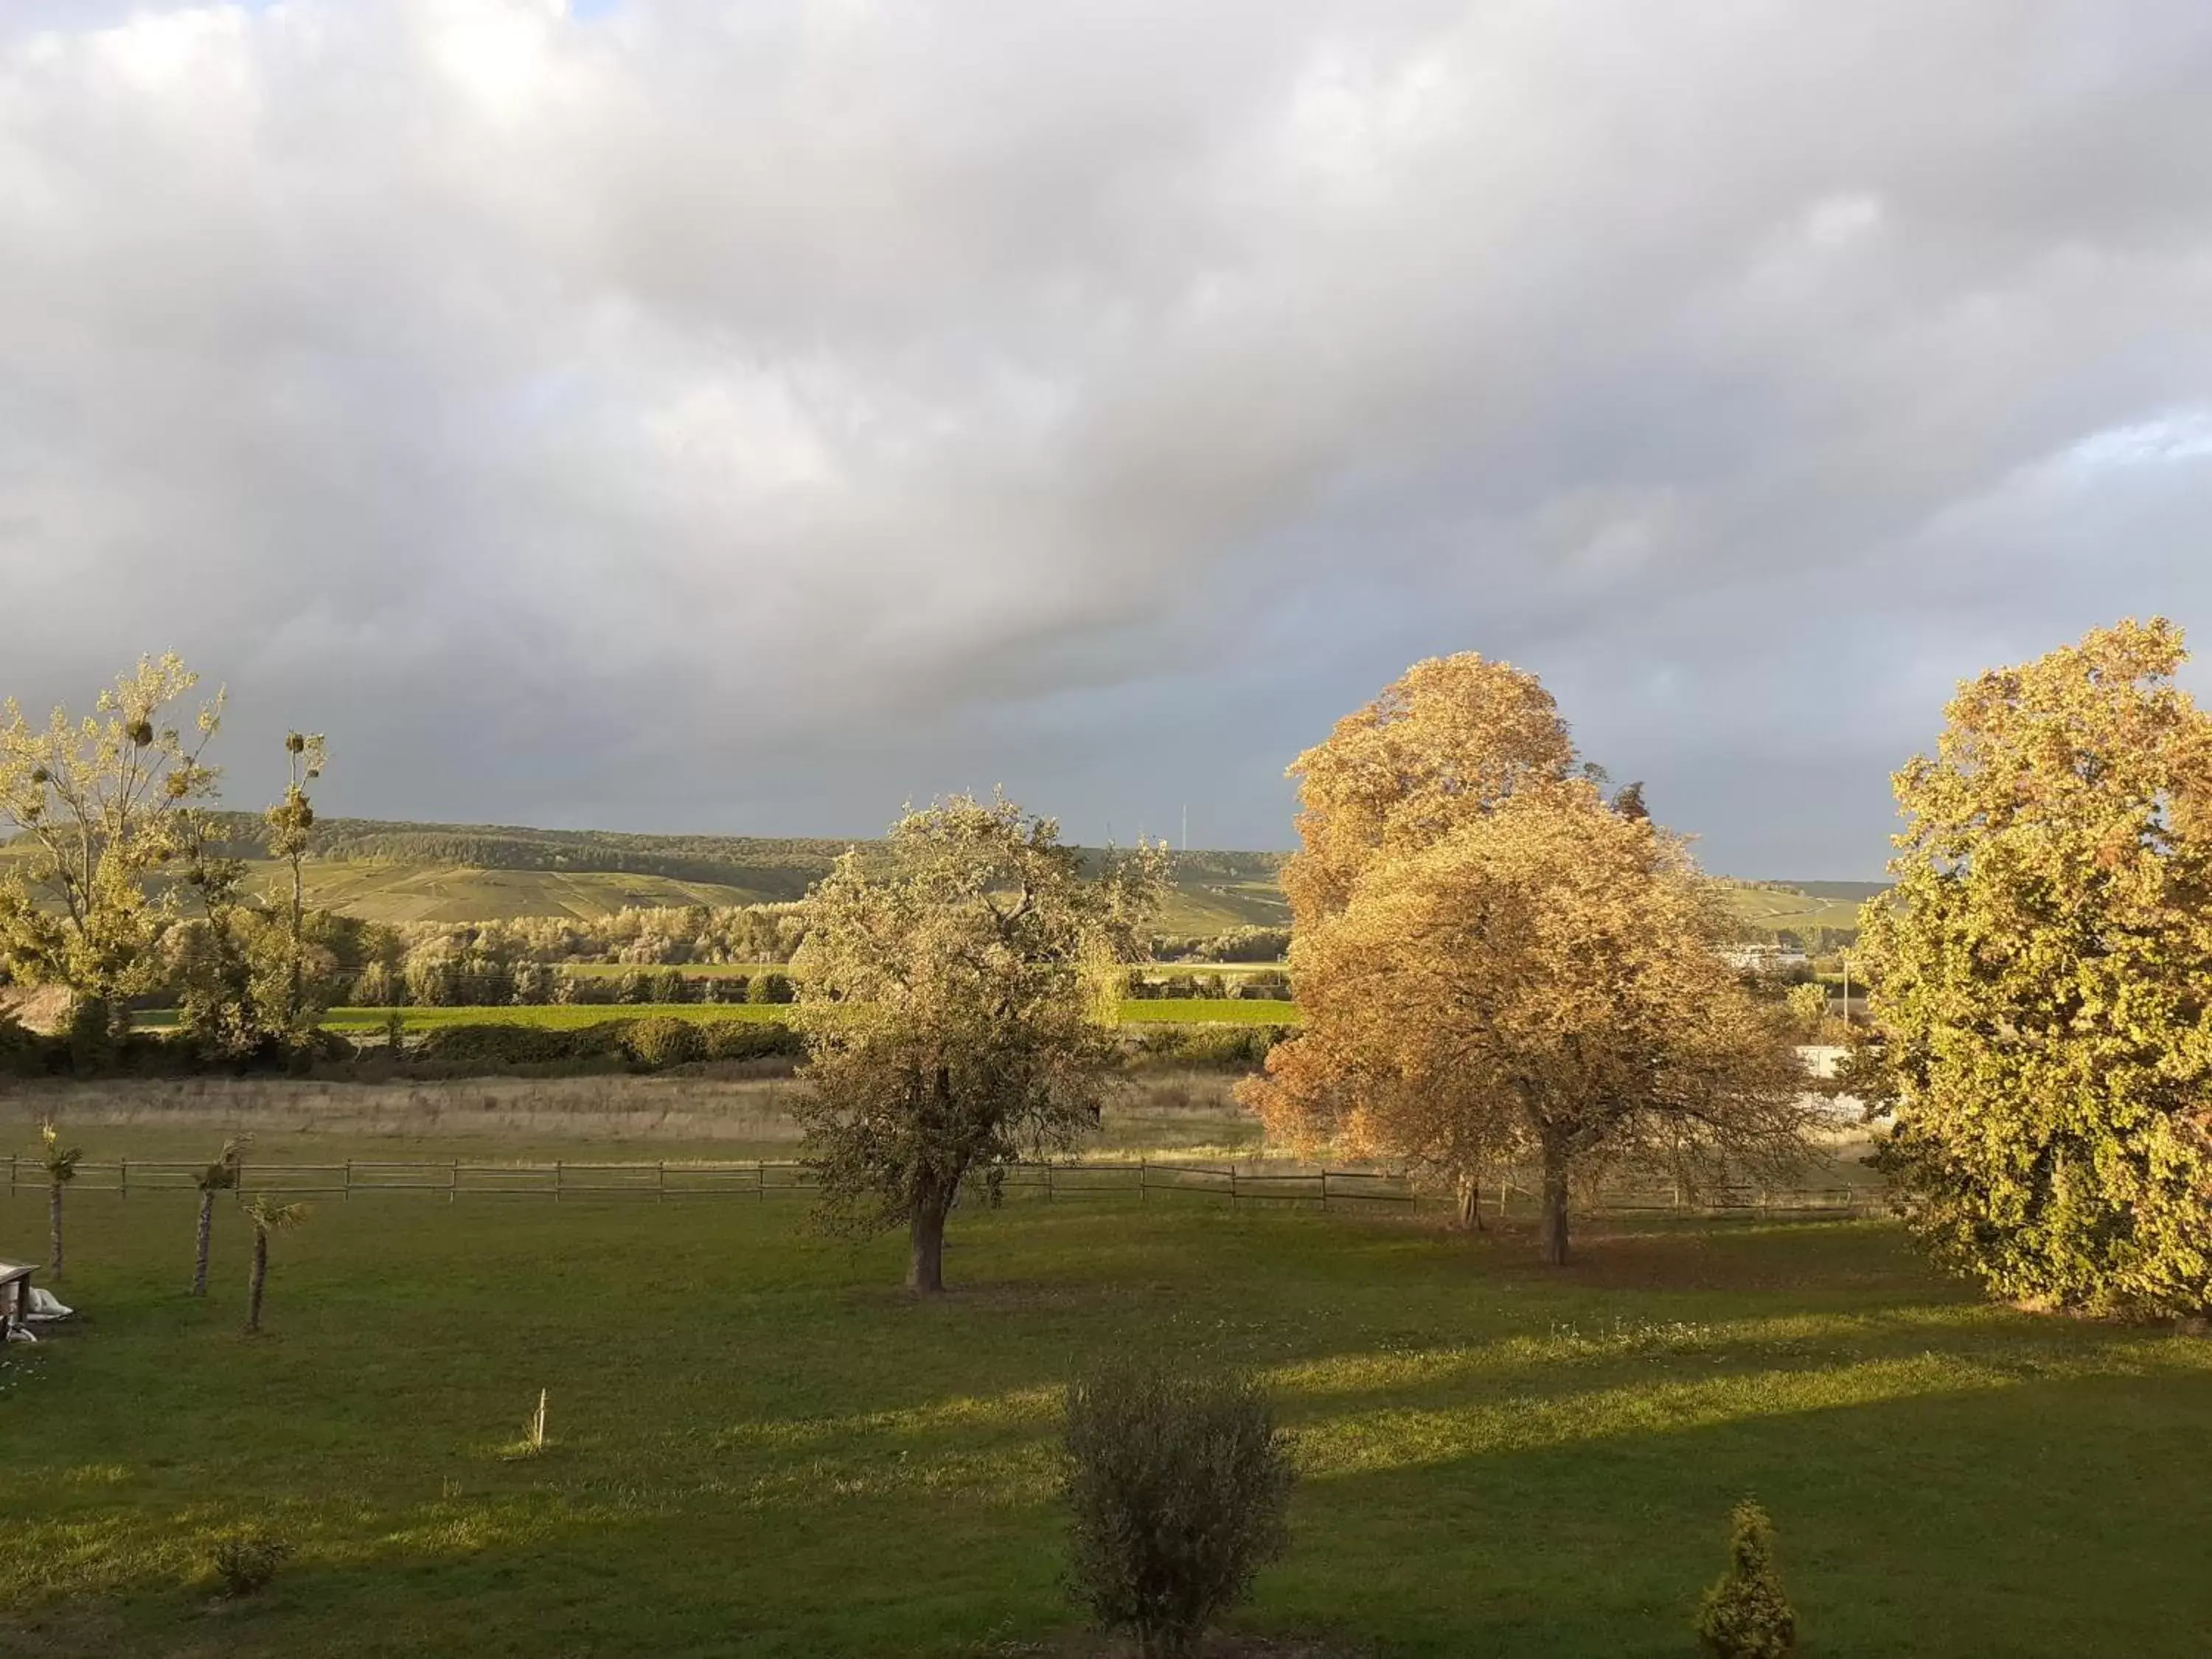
[746, 417]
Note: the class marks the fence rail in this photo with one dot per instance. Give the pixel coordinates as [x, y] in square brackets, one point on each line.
[761, 1179]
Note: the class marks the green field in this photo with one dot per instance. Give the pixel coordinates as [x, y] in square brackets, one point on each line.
[398, 891]
[1209, 1011]
[759, 1447]
[1199, 902]
[566, 1017]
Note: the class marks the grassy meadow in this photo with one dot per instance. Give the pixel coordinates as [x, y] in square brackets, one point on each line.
[411, 890]
[1773, 910]
[394, 891]
[759, 1446]
[1186, 1113]
[1200, 901]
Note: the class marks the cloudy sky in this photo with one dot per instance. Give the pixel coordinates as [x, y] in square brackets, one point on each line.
[745, 416]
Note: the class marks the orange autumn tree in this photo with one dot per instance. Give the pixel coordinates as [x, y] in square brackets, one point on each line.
[1497, 963]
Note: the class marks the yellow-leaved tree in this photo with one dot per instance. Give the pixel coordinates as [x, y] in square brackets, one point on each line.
[103, 803]
[1497, 963]
[2044, 981]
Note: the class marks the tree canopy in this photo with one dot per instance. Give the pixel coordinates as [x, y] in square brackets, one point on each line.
[106, 802]
[1496, 962]
[958, 992]
[2044, 981]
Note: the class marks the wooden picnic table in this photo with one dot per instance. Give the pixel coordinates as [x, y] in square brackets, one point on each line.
[15, 1289]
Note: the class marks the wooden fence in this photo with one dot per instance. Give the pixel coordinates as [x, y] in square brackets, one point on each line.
[755, 1179]
[760, 1179]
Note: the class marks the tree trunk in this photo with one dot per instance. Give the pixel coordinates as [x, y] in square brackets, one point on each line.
[207, 1232]
[292, 1011]
[54, 1228]
[1470, 1203]
[925, 1270]
[260, 1278]
[1555, 1204]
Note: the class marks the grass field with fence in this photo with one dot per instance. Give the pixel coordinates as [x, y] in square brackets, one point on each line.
[562, 1016]
[1139, 1179]
[756, 1444]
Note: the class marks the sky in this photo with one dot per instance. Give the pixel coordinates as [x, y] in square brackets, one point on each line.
[747, 417]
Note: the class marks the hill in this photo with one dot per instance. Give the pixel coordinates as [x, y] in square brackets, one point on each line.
[391, 872]
[386, 871]
[1801, 908]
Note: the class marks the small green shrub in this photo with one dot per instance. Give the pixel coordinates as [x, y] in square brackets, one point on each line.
[494, 1045]
[770, 987]
[649, 1044]
[1744, 1615]
[245, 1562]
[25, 1052]
[1222, 1047]
[1269, 985]
[1177, 1487]
[660, 1042]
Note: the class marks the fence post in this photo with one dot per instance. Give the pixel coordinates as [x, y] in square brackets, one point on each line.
[556, 1180]
[1232, 1186]
[453, 1183]
[1048, 1183]
[660, 1181]
[1324, 1189]
[1144, 1183]
[349, 1181]
[123, 1176]
[760, 1179]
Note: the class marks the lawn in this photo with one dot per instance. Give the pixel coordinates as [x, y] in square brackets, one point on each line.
[760, 1447]
[1209, 1011]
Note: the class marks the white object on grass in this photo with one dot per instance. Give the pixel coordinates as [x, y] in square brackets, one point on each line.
[44, 1304]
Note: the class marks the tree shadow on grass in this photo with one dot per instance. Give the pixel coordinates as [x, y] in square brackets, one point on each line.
[2057, 1517]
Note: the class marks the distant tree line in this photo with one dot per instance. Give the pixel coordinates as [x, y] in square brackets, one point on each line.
[1270, 984]
[653, 1043]
[1814, 941]
[486, 982]
[1237, 945]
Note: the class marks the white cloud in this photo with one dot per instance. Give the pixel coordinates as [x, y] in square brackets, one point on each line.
[820, 393]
